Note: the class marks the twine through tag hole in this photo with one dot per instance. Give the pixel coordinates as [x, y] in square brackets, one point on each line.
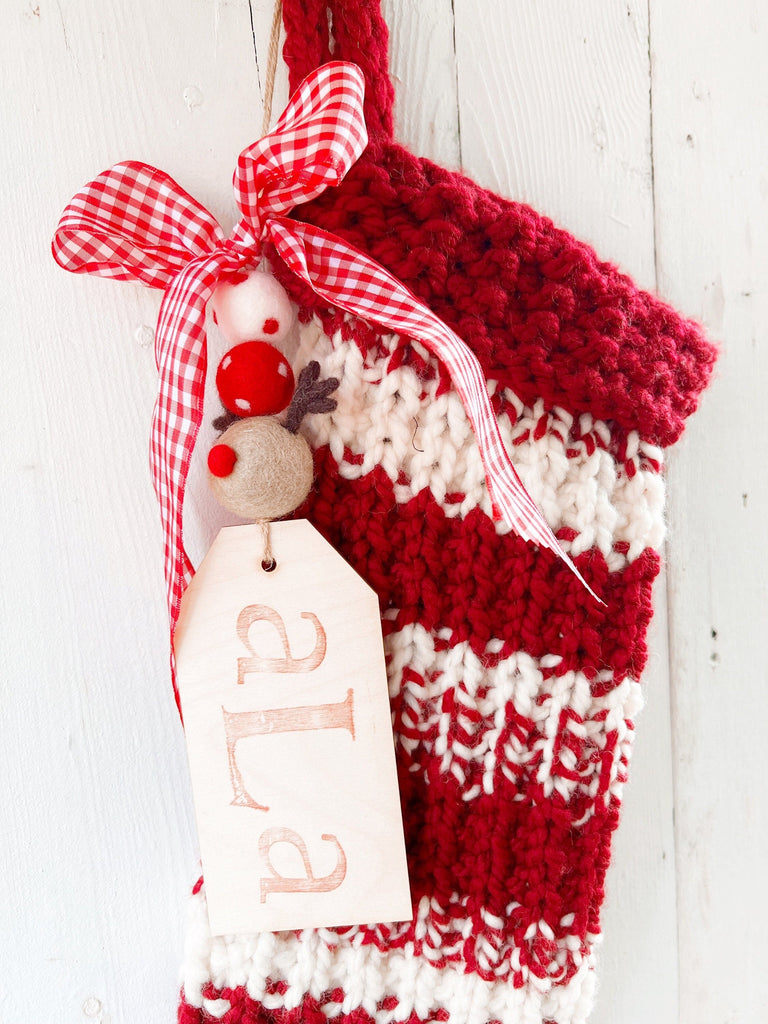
[268, 563]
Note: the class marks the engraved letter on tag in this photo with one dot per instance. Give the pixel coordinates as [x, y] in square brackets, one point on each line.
[284, 696]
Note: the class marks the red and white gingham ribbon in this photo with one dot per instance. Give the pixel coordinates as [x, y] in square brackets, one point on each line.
[134, 222]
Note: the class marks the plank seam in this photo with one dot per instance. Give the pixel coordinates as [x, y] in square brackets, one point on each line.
[456, 71]
[668, 592]
[255, 51]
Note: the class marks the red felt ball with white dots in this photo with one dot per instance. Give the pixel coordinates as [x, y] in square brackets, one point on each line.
[251, 304]
[254, 379]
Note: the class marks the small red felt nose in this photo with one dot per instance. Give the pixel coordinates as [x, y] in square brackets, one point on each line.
[271, 326]
[221, 460]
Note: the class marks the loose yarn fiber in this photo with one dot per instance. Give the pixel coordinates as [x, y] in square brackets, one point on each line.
[513, 694]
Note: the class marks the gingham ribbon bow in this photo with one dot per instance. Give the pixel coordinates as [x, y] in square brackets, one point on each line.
[134, 222]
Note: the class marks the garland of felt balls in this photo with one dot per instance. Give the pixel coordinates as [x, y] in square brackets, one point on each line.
[261, 468]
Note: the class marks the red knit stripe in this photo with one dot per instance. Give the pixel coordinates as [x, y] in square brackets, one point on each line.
[503, 848]
[245, 1010]
[543, 314]
[460, 574]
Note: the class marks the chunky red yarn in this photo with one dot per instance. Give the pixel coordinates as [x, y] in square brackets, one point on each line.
[461, 575]
[543, 314]
[511, 866]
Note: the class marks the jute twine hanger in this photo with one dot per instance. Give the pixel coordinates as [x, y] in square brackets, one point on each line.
[268, 562]
[272, 53]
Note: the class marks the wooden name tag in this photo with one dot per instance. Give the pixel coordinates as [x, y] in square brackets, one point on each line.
[284, 696]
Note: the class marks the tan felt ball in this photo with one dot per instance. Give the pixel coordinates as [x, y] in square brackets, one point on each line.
[272, 473]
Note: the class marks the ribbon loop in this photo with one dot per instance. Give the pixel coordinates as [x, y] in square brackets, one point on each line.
[319, 136]
[133, 222]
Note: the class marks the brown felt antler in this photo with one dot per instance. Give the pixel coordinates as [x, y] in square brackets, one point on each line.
[311, 395]
[225, 421]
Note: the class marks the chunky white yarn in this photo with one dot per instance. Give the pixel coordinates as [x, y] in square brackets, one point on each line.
[397, 421]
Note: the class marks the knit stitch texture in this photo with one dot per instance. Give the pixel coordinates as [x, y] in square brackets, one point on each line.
[513, 694]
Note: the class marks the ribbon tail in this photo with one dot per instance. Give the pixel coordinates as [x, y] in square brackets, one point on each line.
[349, 279]
[180, 352]
[529, 521]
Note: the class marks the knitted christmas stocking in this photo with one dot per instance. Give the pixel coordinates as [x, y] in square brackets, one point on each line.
[513, 693]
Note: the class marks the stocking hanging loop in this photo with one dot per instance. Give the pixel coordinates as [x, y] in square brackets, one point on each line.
[317, 31]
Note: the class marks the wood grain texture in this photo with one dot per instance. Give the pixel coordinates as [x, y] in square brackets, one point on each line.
[710, 87]
[543, 101]
[102, 850]
[554, 103]
[423, 69]
[294, 656]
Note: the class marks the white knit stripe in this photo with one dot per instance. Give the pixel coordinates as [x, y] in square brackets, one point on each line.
[561, 708]
[396, 421]
[315, 962]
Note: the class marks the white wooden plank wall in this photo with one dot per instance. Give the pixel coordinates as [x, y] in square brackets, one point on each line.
[641, 127]
[710, 88]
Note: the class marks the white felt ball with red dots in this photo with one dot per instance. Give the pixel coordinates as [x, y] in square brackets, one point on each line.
[254, 379]
[252, 304]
